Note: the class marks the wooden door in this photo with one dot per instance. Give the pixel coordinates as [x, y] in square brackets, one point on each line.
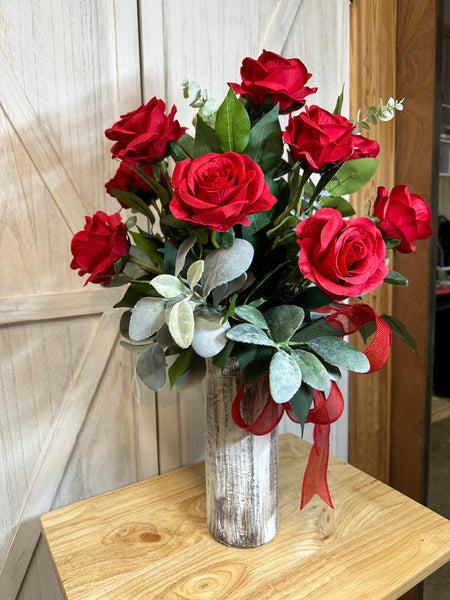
[69, 426]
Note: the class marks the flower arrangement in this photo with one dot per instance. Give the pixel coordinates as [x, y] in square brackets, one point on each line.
[244, 247]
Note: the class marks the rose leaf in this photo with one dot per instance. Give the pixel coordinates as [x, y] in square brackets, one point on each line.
[232, 124]
[352, 176]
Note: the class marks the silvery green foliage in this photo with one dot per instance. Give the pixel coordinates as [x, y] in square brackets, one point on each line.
[209, 333]
[226, 264]
[151, 367]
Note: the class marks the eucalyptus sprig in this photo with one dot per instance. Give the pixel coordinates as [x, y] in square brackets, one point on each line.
[381, 112]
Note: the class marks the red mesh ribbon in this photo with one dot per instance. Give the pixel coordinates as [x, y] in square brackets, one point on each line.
[347, 318]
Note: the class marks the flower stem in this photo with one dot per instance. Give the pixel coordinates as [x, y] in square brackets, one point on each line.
[136, 261]
[295, 203]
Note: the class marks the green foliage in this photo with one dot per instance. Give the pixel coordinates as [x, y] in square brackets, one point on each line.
[395, 278]
[352, 176]
[232, 124]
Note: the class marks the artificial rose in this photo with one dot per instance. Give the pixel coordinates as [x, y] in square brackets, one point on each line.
[317, 138]
[96, 248]
[219, 190]
[403, 216]
[365, 148]
[142, 135]
[343, 258]
[127, 180]
[284, 78]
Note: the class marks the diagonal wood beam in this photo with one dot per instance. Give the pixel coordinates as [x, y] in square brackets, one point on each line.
[280, 27]
[56, 453]
[36, 142]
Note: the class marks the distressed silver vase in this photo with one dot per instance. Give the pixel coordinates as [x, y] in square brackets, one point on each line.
[241, 468]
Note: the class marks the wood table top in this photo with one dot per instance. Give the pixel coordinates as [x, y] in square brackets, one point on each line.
[150, 541]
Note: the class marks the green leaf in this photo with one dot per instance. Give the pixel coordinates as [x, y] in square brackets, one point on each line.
[249, 334]
[158, 188]
[124, 324]
[209, 334]
[284, 376]
[253, 361]
[301, 403]
[220, 360]
[400, 329]
[352, 176]
[186, 142]
[392, 243]
[205, 139]
[318, 328]
[147, 245]
[251, 315]
[340, 99]
[134, 293]
[265, 144]
[181, 365]
[312, 370]
[134, 202]
[341, 204]
[177, 152]
[228, 238]
[284, 321]
[225, 264]
[181, 323]
[151, 368]
[232, 124]
[135, 348]
[312, 298]
[168, 286]
[148, 316]
[193, 375]
[170, 257]
[395, 278]
[340, 353]
[130, 223]
[195, 272]
[183, 251]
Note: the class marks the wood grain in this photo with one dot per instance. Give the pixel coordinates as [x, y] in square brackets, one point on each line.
[151, 540]
[372, 65]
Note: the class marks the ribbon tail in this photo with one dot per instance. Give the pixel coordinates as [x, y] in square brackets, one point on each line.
[315, 478]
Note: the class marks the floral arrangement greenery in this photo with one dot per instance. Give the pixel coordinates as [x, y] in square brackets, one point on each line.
[248, 250]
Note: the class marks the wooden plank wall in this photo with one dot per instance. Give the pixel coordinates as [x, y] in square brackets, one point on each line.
[69, 427]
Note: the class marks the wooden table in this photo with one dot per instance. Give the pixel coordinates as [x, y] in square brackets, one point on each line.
[149, 541]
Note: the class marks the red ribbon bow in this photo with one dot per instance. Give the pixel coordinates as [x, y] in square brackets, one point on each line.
[347, 318]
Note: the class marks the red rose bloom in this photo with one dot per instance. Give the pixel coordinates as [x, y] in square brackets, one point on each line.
[127, 180]
[403, 215]
[343, 258]
[365, 148]
[142, 135]
[96, 248]
[284, 78]
[219, 190]
[317, 138]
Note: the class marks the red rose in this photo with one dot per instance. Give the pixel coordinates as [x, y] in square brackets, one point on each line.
[127, 180]
[365, 148]
[284, 78]
[343, 258]
[219, 190]
[317, 138]
[142, 135]
[403, 215]
[96, 248]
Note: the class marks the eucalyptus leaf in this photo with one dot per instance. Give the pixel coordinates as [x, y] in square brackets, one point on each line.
[182, 252]
[313, 371]
[249, 334]
[135, 348]
[340, 353]
[284, 376]
[225, 264]
[195, 273]
[168, 286]
[148, 316]
[124, 325]
[284, 321]
[181, 323]
[251, 315]
[151, 368]
[210, 336]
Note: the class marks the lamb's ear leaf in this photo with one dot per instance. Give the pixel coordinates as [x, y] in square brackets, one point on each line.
[181, 323]
[284, 376]
[284, 321]
[151, 368]
[148, 316]
[225, 264]
[340, 353]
